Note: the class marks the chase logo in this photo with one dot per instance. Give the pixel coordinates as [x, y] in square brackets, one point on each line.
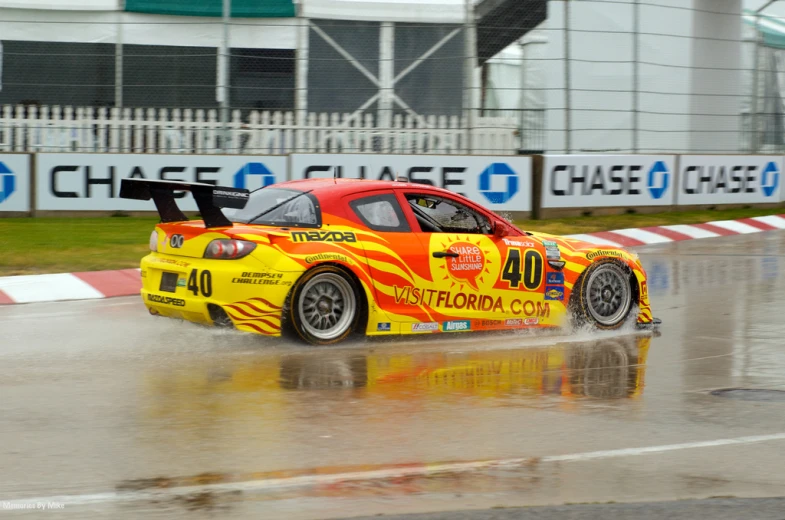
[504, 174]
[253, 168]
[659, 179]
[770, 179]
[7, 182]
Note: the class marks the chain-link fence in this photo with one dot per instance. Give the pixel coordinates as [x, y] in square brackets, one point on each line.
[503, 77]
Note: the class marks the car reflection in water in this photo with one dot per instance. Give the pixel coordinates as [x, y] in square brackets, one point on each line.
[207, 391]
[609, 368]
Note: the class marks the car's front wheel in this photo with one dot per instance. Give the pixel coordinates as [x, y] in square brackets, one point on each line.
[603, 296]
[323, 309]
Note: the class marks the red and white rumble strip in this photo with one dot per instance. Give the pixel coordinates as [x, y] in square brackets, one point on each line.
[69, 286]
[663, 234]
[126, 282]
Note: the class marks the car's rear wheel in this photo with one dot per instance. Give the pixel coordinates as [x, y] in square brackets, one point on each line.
[603, 296]
[323, 308]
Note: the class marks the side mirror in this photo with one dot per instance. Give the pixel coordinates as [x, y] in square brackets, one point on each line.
[499, 229]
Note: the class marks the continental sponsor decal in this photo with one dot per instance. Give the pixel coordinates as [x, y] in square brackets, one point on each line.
[166, 300]
[604, 252]
[326, 257]
[456, 326]
[468, 301]
[425, 327]
[323, 236]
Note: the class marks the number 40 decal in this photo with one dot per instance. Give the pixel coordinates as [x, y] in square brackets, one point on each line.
[205, 279]
[530, 273]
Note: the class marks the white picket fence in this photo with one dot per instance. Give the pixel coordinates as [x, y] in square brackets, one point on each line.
[115, 130]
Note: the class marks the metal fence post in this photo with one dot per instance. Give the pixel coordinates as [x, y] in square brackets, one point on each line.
[567, 85]
[223, 75]
[470, 47]
[755, 138]
[522, 97]
[636, 76]
[118, 59]
[301, 76]
[386, 74]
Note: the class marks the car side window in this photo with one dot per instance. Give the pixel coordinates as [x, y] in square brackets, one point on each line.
[381, 213]
[439, 215]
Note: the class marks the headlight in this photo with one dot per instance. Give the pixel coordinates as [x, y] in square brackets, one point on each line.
[154, 241]
[225, 249]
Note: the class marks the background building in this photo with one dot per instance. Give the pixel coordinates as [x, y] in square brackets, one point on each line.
[447, 76]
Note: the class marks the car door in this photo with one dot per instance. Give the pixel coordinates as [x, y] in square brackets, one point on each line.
[482, 277]
[397, 261]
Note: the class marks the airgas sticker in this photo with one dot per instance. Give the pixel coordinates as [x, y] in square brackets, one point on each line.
[456, 326]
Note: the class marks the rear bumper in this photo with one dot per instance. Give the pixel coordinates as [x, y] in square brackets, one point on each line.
[249, 293]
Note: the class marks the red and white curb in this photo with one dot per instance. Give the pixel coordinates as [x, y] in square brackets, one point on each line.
[69, 286]
[126, 282]
[663, 234]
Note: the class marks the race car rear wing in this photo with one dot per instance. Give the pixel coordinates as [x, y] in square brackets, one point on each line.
[209, 199]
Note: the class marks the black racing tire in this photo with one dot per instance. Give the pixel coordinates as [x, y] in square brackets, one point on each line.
[603, 297]
[325, 305]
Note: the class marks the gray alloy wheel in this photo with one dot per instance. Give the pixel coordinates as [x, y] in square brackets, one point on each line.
[326, 306]
[607, 296]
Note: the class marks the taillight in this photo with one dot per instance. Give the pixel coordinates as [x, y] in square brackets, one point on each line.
[154, 241]
[225, 249]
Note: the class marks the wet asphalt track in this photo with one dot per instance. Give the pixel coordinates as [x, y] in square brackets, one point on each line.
[131, 416]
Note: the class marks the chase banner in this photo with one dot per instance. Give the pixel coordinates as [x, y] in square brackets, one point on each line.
[729, 179]
[586, 181]
[499, 183]
[91, 182]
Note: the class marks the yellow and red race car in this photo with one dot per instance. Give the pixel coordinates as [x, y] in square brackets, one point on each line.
[328, 257]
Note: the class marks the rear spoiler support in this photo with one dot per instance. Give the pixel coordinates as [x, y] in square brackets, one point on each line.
[209, 199]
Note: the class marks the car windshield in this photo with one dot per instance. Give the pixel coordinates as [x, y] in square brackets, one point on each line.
[278, 206]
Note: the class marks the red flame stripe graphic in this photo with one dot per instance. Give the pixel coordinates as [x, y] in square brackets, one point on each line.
[248, 314]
